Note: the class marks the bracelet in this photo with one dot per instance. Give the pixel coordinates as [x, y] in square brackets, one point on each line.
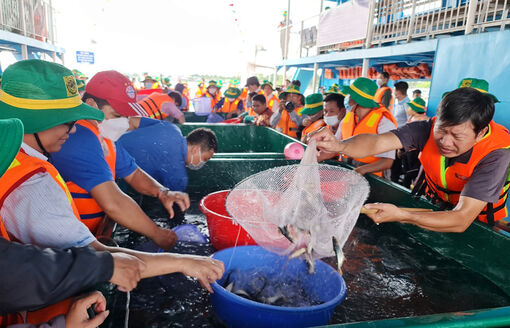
[162, 190]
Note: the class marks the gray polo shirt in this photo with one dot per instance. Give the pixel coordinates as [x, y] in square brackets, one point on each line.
[489, 175]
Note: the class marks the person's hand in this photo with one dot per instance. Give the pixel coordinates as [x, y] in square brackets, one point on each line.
[206, 269]
[165, 238]
[361, 170]
[127, 271]
[326, 141]
[281, 106]
[168, 198]
[307, 121]
[386, 213]
[229, 116]
[77, 316]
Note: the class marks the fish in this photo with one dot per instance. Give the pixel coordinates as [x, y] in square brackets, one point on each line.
[285, 232]
[297, 253]
[340, 258]
[310, 264]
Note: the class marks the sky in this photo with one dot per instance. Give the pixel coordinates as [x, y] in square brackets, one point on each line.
[173, 37]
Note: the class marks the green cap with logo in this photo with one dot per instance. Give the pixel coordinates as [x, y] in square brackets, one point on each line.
[212, 83]
[290, 89]
[232, 93]
[266, 82]
[11, 136]
[42, 95]
[234, 82]
[334, 89]
[418, 105]
[313, 104]
[362, 91]
[478, 84]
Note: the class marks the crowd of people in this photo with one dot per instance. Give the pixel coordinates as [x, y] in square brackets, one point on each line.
[65, 141]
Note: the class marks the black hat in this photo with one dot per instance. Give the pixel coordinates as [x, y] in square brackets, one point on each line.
[252, 80]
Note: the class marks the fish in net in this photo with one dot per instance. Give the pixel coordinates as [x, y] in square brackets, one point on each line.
[307, 209]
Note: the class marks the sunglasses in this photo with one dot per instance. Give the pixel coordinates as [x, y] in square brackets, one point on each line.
[69, 125]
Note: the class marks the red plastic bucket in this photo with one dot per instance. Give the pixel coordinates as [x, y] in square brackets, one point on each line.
[223, 230]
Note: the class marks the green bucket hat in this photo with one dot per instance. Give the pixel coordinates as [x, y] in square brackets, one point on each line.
[234, 82]
[232, 93]
[266, 82]
[418, 105]
[478, 84]
[42, 95]
[334, 89]
[80, 84]
[11, 136]
[291, 89]
[362, 91]
[213, 83]
[313, 104]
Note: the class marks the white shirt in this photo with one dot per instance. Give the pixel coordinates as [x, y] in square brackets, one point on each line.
[400, 110]
[38, 212]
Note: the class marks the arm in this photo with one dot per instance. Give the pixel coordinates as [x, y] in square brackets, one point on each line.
[381, 165]
[275, 118]
[33, 277]
[359, 146]
[456, 220]
[125, 211]
[386, 98]
[205, 269]
[298, 119]
[145, 184]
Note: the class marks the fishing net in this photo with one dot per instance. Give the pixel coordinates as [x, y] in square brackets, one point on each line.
[292, 207]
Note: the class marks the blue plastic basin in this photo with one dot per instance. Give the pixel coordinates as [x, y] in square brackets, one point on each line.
[235, 311]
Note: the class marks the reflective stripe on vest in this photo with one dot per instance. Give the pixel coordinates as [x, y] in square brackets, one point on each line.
[446, 183]
[21, 169]
[378, 97]
[368, 124]
[288, 126]
[270, 102]
[313, 127]
[229, 107]
[153, 103]
[91, 214]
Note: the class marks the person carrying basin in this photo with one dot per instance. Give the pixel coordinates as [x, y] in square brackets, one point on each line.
[37, 206]
[465, 157]
[90, 162]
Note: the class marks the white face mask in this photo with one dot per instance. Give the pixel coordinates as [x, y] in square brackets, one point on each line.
[148, 85]
[200, 164]
[331, 120]
[379, 82]
[114, 128]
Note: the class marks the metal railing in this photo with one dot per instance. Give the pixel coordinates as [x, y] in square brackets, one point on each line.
[397, 21]
[31, 18]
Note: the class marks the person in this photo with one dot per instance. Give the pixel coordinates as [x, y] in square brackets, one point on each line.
[314, 110]
[287, 119]
[465, 160]
[416, 93]
[334, 110]
[367, 116]
[183, 91]
[410, 162]
[263, 112]
[252, 86]
[271, 99]
[37, 206]
[231, 104]
[149, 83]
[201, 89]
[384, 96]
[90, 162]
[212, 92]
[24, 285]
[160, 150]
[400, 113]
[163, 106]
[81, 80]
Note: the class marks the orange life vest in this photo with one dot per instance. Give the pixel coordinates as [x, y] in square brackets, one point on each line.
[91, 214]
[21, 169]
[214, 100]
[446, 183]
[202, 90]
[368, 124]
[153, 103]
[271, 101]
[312, 127]
[378, 98]
[229, 107]
[288, 126]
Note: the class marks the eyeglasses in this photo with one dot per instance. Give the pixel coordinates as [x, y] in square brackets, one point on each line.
[70, 125]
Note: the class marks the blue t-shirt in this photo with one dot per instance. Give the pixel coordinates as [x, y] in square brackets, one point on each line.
[160, 149]
[82, 161]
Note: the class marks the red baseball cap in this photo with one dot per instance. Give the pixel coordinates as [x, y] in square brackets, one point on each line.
[117, 90]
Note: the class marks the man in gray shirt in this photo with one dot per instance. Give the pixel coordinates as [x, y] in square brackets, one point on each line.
[465, 158]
